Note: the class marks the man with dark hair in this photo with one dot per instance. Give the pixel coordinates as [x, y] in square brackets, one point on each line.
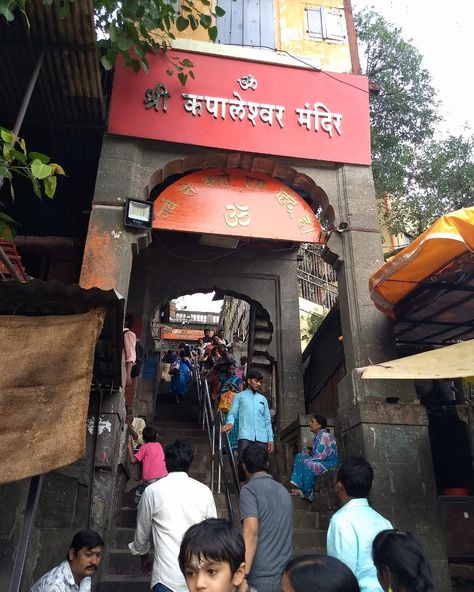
[207, 336]
[74, 574]
[167, 509]
[266, 512]
[222, 339]
[353, 528]
[251, 407]
[129, 358]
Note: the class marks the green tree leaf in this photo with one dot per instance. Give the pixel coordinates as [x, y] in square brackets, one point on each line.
[219, 11]
[6, 232]
[182, 78]
[182, 23]
[50, 184]
[64, 10]
[123, 42]
[106, 63]
[39, 170]
[206, 21]
[6, 135]
[212, 32]
[36, 187]
[39, 156]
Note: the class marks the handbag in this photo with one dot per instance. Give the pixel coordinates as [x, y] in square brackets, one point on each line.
[225, 401]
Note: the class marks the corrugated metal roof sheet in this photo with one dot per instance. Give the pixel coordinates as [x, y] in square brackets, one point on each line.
[66, 115]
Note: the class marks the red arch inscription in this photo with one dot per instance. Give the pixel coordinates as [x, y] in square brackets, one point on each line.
[236, 202]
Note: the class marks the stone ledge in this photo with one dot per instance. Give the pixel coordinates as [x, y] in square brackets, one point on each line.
[377, 412]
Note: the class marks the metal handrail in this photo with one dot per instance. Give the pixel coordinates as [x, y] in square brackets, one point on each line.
[218, 442]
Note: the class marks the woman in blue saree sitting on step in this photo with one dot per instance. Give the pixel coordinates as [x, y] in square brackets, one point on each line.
[323, 457]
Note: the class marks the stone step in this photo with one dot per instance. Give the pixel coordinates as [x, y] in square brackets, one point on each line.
[125, 583]
[119, 537]
[302, 505]
[126, 517]
[122, 563]
[309, 551]
[308, 520]
[305, 538]
[164, 428]
[181, 425]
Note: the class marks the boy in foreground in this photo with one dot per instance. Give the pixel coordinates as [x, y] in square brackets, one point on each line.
[212, 556]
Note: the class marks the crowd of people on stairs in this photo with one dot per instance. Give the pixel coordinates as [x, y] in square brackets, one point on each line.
[195, 551]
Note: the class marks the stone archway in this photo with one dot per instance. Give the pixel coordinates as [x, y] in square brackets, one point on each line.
[313, 194]
[259, 341]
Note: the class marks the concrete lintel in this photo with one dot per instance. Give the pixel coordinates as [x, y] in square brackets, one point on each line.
[353, 389]
[377, 412]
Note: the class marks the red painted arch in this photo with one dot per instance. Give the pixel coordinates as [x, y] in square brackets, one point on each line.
[236, 202]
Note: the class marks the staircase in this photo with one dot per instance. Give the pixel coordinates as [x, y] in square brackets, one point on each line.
[121, 571]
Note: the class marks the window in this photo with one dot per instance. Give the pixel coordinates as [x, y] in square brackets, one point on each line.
[326, 23]
[247, 22]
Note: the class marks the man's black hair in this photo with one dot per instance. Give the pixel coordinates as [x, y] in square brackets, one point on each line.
[178, 456]
[85, 539]
[253, 373]
[255, 458]
[214, 539]
[356, 475]
[149, 434]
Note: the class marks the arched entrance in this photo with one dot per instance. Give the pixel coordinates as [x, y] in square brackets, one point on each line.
[202, 240]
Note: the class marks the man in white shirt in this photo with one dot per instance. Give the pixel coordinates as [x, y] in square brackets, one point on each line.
[222, 339]
[167, 509]
[353, 528]
[74, 574]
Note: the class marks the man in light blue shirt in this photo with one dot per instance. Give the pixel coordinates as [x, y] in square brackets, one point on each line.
[251, 408]
[353, 528]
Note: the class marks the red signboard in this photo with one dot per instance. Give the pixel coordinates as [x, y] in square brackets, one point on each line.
[246, 106]
[182, 334]
[237, 203]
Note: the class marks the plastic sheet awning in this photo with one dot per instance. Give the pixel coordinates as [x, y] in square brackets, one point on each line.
[452, 361]
[428, 287]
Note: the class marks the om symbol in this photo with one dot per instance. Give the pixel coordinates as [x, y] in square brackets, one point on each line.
[246, 82]
[237, 215]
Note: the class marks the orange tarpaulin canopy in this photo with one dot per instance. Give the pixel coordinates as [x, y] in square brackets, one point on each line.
[447, 239]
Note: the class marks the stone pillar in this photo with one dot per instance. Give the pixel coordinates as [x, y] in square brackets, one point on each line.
[107, 264]
[291, 391]
[393, 438]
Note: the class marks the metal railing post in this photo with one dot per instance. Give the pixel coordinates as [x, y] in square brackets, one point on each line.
[219, 468]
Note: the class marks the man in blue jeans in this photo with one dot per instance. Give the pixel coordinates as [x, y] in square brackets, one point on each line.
[251, 407]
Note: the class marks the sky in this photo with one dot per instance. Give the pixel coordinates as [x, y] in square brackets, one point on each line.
[446, 42]
[201, 302]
